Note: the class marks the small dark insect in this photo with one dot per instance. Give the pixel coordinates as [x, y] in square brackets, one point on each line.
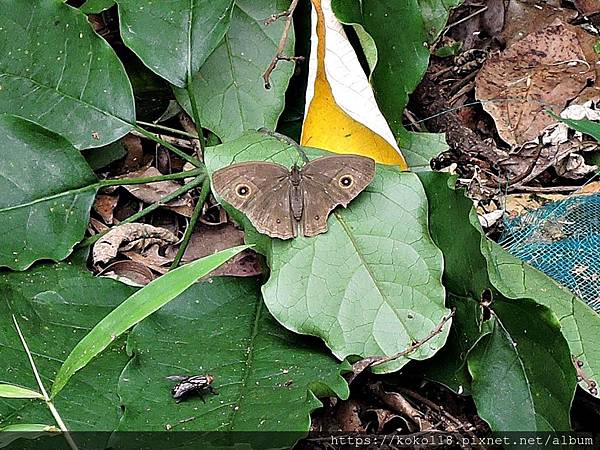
[186, 386]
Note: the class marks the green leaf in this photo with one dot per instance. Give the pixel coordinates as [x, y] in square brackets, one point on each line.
[100, 157]
[580, 324]
[11, 433]
[435, 15]
[190, 31]
[449, 366]
[583, 125]
[96, 6]
[137, 307]
[371, 284]
[56, 305]
[266, 377]
[229, 87]
[474, 264]
[12, 391]
[420, 148]
[48, 190]
[60, 74]
[523, 361]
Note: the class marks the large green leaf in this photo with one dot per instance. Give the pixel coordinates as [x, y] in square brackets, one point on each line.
[57, 72]
[188, 32]
[580, 324]
[56, 305]
[137, 307]
[47, 192]
[369, 286]
[229, 87]
[266, 377]
[523, 377]
[474, 264]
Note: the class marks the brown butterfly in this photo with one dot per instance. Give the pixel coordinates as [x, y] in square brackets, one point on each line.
[284, 203]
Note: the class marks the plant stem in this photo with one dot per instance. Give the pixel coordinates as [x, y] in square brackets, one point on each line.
[193, 220]
[195, 113]
[51, 407]
[171, 147]
[168, 129]
[153, 179]
[163, 201]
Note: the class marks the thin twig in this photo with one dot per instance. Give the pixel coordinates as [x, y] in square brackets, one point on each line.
[582, 376]
[38, 379]
[440, 410]
[464, 19]
[280, 56]
[363, 364]
[399, 404]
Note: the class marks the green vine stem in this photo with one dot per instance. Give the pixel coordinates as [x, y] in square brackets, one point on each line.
[195, 113]
[153, 179]
[171, 147]
[110, 182]
[163, 201]
[168, 129]
[51, 407]
[193, 220]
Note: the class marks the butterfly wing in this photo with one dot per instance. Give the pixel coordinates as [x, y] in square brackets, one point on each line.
[331, 181]
[261, 190]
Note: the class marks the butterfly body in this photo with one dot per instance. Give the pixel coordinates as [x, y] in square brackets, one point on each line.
[296, 198]
[284, 203]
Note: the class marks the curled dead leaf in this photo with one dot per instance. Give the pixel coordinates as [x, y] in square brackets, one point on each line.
[129, 236]
[131, 273]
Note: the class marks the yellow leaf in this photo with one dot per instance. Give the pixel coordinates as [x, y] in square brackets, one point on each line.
[343, 116]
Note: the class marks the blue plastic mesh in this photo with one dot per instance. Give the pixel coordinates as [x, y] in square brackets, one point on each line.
[561, 239]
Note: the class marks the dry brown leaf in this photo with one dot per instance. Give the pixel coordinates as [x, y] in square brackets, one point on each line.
[574, 167]
[135, 158]
[129, 272]
[127, 237]
[523, 18]
[587, 7]
[590, 188]
[542, 71]
[347, 416]
[151, 258]
[96, 226]
[208, 239]
[105, 205]
[154, 192]
[529, 161]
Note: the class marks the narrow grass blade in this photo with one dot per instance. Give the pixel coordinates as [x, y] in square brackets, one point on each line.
[136, 308]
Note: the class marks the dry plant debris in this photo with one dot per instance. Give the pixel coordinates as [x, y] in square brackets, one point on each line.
[544, 70]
